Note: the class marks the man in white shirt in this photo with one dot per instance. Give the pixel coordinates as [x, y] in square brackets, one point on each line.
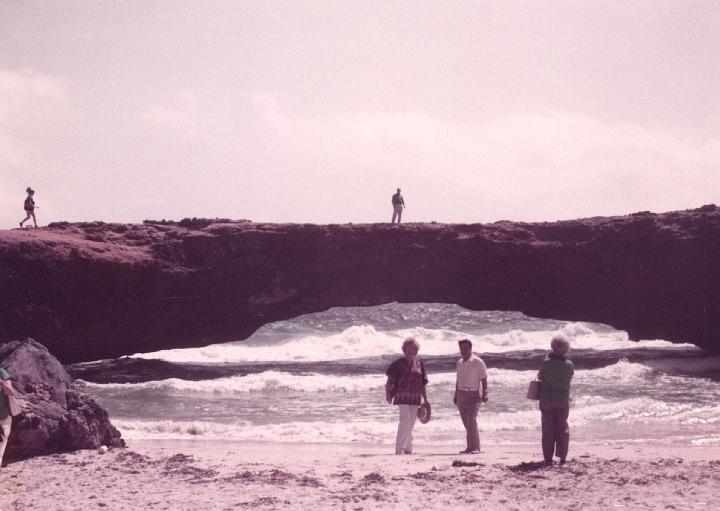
[470, 391]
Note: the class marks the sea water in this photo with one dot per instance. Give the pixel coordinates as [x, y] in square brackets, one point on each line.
[320, 378]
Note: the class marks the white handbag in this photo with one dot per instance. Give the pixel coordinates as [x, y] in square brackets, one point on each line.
[534, 390]
[14, 406]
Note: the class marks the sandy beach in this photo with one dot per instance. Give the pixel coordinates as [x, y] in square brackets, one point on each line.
[190, 475]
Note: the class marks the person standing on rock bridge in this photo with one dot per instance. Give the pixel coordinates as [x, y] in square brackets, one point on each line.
[398, 204]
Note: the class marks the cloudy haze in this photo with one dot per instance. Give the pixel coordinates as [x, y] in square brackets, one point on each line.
[311, 111]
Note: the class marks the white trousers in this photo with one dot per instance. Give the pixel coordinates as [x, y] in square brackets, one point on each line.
[5, 425]
[403, 442]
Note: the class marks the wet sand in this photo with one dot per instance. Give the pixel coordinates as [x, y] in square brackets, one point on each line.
[212, 475]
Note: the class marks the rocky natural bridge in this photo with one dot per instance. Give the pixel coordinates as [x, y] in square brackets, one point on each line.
[96, 290]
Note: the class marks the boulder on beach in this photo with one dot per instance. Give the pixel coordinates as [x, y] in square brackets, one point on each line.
[55, 417]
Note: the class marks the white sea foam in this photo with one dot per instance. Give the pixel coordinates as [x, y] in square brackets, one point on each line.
[625, 400]
[268, 381]
[379, 429]
[707, 440]
[279, 381]
[623, 373]
[364, 341]
[619, 372]
[623, 413]
[298, 431]
[628, 416]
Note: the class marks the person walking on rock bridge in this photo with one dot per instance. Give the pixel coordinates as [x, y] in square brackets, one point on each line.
[29, 207]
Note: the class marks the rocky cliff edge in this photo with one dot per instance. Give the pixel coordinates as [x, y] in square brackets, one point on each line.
[95, 290]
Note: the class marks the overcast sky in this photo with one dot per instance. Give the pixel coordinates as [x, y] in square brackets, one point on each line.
[313, 111]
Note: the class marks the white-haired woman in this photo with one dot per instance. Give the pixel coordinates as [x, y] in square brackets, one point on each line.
[405, 388]
[555, 374]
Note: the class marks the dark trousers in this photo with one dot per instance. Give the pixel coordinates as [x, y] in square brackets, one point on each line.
[555, 429]
[468, 404]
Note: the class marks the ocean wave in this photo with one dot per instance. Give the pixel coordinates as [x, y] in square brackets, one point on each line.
[625, 418]
[279, 381]
[311, 431]
[707, 440]
[645, 410]
[268, 381]
[364, 341]
[343, 429]
[622, 372]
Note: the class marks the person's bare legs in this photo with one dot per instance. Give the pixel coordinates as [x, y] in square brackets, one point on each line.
[29, 214]
[5, 424]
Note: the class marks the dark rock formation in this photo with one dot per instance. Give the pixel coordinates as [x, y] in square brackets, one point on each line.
[86, 425]
[54, 417]
[34, 368]
[95, 290]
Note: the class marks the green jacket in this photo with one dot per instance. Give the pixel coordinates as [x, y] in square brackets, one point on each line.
[555, 375]
[4, 411]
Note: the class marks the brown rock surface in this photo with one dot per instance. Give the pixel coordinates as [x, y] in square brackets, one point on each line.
[95, 290]
[54, 418]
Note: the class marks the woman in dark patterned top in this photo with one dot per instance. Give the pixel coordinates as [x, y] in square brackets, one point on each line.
[405, 388]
